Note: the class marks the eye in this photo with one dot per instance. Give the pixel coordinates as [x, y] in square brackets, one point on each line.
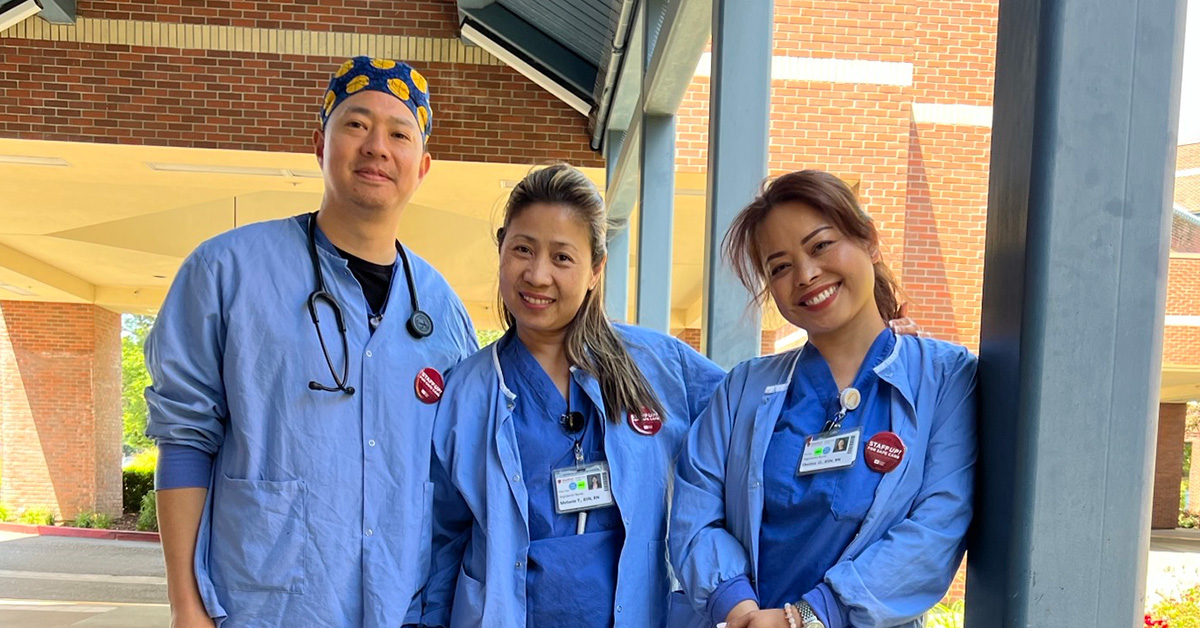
[400, 136]
[564, 258]
[822, 245]
[522, 249]
[775, 270]
[356, 124]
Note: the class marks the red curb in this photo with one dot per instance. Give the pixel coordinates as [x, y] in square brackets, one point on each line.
[82, 533]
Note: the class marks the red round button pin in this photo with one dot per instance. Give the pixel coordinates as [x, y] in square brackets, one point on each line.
[884, 452]
[429, 385]
[646, 423]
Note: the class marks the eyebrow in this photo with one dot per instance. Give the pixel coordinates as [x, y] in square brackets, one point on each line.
[558, 243]
[363, 111]
[802, 242]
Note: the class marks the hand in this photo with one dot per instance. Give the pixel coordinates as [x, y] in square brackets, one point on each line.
[904, 325]
[768, 618]
[194, 618]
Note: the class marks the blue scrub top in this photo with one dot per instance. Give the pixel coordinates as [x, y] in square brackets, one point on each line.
[809, 520]
[319, 508]
[572, 578]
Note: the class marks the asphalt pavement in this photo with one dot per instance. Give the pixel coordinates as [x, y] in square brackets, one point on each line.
[60, 582]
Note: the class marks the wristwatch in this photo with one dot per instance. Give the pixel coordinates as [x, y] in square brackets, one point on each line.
[808, 619]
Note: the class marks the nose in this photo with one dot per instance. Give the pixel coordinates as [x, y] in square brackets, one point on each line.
[375, 143]
[807, 271]
[538, 272]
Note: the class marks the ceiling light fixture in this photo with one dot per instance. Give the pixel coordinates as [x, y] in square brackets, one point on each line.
[255, 171]
[32, 160]
[15, 289]
[216, 169]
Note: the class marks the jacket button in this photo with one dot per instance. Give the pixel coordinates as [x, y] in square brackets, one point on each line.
[516, 478]
[519, 563]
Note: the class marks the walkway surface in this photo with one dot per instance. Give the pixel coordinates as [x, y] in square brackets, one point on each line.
[61, 582]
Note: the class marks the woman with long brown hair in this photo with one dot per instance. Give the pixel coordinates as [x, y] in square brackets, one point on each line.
[829, 486]
[553, 447]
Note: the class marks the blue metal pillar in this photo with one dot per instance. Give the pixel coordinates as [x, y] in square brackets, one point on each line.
[1083, 144]
[656, 204]
[616, 269]
[739, 119]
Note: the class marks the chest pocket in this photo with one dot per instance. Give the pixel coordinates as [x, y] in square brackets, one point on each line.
[850, 492]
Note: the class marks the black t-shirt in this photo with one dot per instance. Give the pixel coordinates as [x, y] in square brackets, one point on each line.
[375, 280]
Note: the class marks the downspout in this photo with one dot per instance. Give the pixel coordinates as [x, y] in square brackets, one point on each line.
[615, 61]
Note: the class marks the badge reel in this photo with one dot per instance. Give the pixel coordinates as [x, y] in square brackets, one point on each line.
[584, 486]
[833, 448]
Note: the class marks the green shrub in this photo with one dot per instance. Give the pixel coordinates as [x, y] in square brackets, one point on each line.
[96, 520]
[148, 516]
[1179, 611]
[486, 337]
[5, 513]
[138, 479]
[37, 516]
[1189, 519]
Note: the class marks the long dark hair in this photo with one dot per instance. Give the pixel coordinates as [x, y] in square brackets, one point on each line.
[591, 342]
[832, 198]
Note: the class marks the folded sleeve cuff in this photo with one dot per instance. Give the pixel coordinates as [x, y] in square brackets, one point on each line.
[729, 594]
[180, 466]
[827, 607]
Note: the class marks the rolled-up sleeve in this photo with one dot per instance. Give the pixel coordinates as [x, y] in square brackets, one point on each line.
[184, 354]
[703, 553]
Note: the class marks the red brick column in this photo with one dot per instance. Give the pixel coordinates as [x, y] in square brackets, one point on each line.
[1168, 465]
[60, 407]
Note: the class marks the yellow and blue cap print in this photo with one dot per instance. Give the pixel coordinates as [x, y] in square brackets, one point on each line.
[384, 75]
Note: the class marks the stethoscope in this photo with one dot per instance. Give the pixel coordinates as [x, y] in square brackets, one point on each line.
[419, 325]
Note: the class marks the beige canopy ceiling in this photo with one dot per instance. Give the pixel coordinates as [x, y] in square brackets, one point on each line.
[109, 224]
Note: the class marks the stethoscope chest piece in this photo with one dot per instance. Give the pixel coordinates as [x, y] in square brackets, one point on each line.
[420, 325]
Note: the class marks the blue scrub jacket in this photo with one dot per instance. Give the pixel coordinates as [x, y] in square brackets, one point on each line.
[911, 542]
[481, 531]
[318, 513]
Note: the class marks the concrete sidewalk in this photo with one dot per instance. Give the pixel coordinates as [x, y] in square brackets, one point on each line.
[1173, 564]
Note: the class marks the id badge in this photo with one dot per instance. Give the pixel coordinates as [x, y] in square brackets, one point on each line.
[829, 451]
[582, 487]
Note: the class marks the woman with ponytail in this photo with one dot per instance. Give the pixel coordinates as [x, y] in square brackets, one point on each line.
[553, 447]
[829, 486]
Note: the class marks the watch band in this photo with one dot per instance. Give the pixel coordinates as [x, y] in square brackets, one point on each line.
[808, 618]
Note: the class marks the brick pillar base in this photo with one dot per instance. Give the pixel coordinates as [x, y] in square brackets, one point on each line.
[60, 407]
[1168, 465]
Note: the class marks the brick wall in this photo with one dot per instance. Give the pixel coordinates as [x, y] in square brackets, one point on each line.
[1168, 465]
[954, 52]
[60, 407]
[193, 89]
[426, 18]
[1181, 343]
[945, 222]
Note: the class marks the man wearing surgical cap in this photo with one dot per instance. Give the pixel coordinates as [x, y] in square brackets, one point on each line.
[295, 365]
